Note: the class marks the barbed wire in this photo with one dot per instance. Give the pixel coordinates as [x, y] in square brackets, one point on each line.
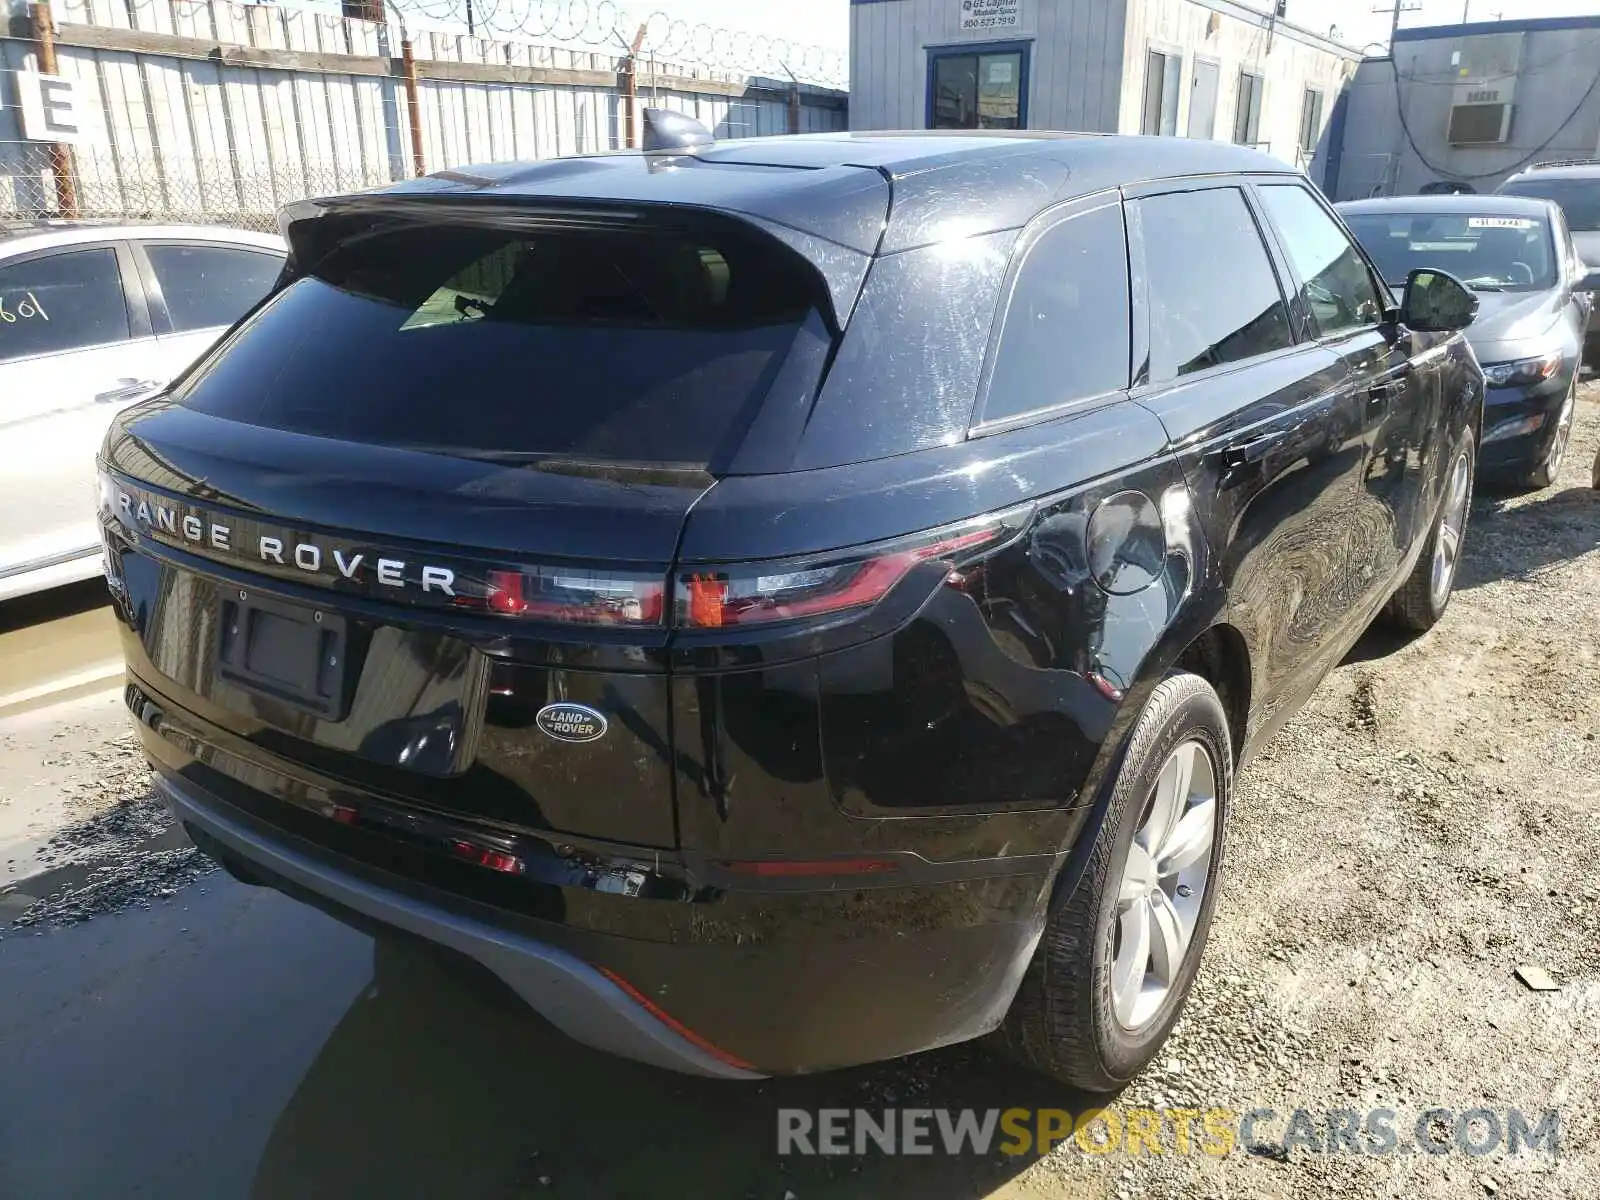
[603, 24]
[594, 25]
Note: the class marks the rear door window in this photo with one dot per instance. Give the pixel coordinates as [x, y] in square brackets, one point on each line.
[1213, 294]
[626, 345]
[1065, 333]
[209, 286]
[57, 302]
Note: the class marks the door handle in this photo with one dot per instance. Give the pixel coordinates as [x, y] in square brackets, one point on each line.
[129, 390]
[1253, 451]
[1382, 393]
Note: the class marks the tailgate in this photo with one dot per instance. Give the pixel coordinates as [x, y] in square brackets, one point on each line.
[347, 653]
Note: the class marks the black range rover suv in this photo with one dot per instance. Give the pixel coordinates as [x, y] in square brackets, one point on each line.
[794, 602]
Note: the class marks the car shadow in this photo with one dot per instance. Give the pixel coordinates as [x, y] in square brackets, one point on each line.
[38, 607]
[439, 1082]
[1506, 541]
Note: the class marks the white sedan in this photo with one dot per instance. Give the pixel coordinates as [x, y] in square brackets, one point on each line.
[94, 318]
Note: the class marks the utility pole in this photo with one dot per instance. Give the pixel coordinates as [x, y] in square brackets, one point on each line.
[1394, 8]
[62, 170]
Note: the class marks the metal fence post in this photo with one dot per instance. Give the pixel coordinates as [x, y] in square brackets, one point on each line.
[61, 166]
[408, 66]
[628, 80]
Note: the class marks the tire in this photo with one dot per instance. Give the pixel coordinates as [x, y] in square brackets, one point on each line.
[1594, 480]
[1424, 596]
[1544, 474]
[1066, 1021]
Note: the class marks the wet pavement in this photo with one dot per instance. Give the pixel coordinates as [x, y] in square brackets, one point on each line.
[229, 1042]
[166, 1031]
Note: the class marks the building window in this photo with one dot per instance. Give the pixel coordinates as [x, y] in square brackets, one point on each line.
[978, 87]
[1162, 73]
[1310, 121]
[1247, 116]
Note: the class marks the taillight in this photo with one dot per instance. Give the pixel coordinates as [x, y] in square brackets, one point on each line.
[576, 597]
[717, 597]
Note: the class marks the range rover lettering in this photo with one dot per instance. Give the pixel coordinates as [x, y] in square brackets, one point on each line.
[789, 603]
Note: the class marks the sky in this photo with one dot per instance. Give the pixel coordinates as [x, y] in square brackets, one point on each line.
[1359, 25]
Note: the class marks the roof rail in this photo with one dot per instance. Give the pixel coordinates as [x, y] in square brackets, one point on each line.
[1563, 162]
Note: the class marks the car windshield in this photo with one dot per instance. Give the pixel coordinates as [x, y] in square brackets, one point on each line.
[1484, 251]
[1579, 199]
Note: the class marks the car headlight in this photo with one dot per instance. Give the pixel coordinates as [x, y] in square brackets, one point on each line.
[1522, 370]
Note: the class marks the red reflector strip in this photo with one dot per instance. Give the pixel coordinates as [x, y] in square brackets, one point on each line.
[772, 868]
[677, 1027]
[495, 860]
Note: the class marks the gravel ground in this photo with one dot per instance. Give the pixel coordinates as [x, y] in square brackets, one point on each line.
[113, 843]
[1425, 827]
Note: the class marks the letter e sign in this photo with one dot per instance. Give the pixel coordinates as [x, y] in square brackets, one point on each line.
[50, 108]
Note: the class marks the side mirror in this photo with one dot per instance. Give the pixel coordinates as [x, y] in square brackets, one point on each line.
[1437, 303]
[1589, 282]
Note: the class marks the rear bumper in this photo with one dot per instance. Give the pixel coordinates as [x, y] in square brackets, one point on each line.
[570, 994]
[731, 985]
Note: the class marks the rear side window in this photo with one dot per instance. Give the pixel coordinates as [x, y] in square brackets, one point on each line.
[1338, 289]
[1065, 334]
[1214, 297]
[208, 286]
[634, 345]
[59, 302]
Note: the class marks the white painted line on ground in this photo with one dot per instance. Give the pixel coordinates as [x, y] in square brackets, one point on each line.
[109, 670]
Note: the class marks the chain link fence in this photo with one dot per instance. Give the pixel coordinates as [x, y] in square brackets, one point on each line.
[181, 125]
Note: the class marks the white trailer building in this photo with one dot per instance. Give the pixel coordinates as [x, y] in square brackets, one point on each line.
[1195, 68]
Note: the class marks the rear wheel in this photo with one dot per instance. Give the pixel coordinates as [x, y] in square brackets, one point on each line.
[1423, 597]
[1544, 475]
[1117, 958]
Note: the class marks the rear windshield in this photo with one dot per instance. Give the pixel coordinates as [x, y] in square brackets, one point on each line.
[1578, 199]
[1487, 252]
[621, 346]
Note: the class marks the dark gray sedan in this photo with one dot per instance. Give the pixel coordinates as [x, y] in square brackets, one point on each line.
[1535, 296]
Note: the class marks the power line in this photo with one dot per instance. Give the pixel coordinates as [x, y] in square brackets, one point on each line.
[1537, 68]
[1405, 128]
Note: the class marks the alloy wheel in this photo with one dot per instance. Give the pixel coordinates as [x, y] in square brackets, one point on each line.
[1452, 522]
[1164, 884]
[1563, 433]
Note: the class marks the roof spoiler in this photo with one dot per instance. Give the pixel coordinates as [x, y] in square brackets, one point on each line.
[315, 227]
[666, 130]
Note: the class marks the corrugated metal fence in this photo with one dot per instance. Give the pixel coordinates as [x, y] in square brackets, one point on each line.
[214, 111]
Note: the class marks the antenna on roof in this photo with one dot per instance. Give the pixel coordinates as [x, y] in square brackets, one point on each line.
[667, 130]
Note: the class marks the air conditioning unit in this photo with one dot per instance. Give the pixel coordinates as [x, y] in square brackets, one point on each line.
[1486, 68]
[1479, 124]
